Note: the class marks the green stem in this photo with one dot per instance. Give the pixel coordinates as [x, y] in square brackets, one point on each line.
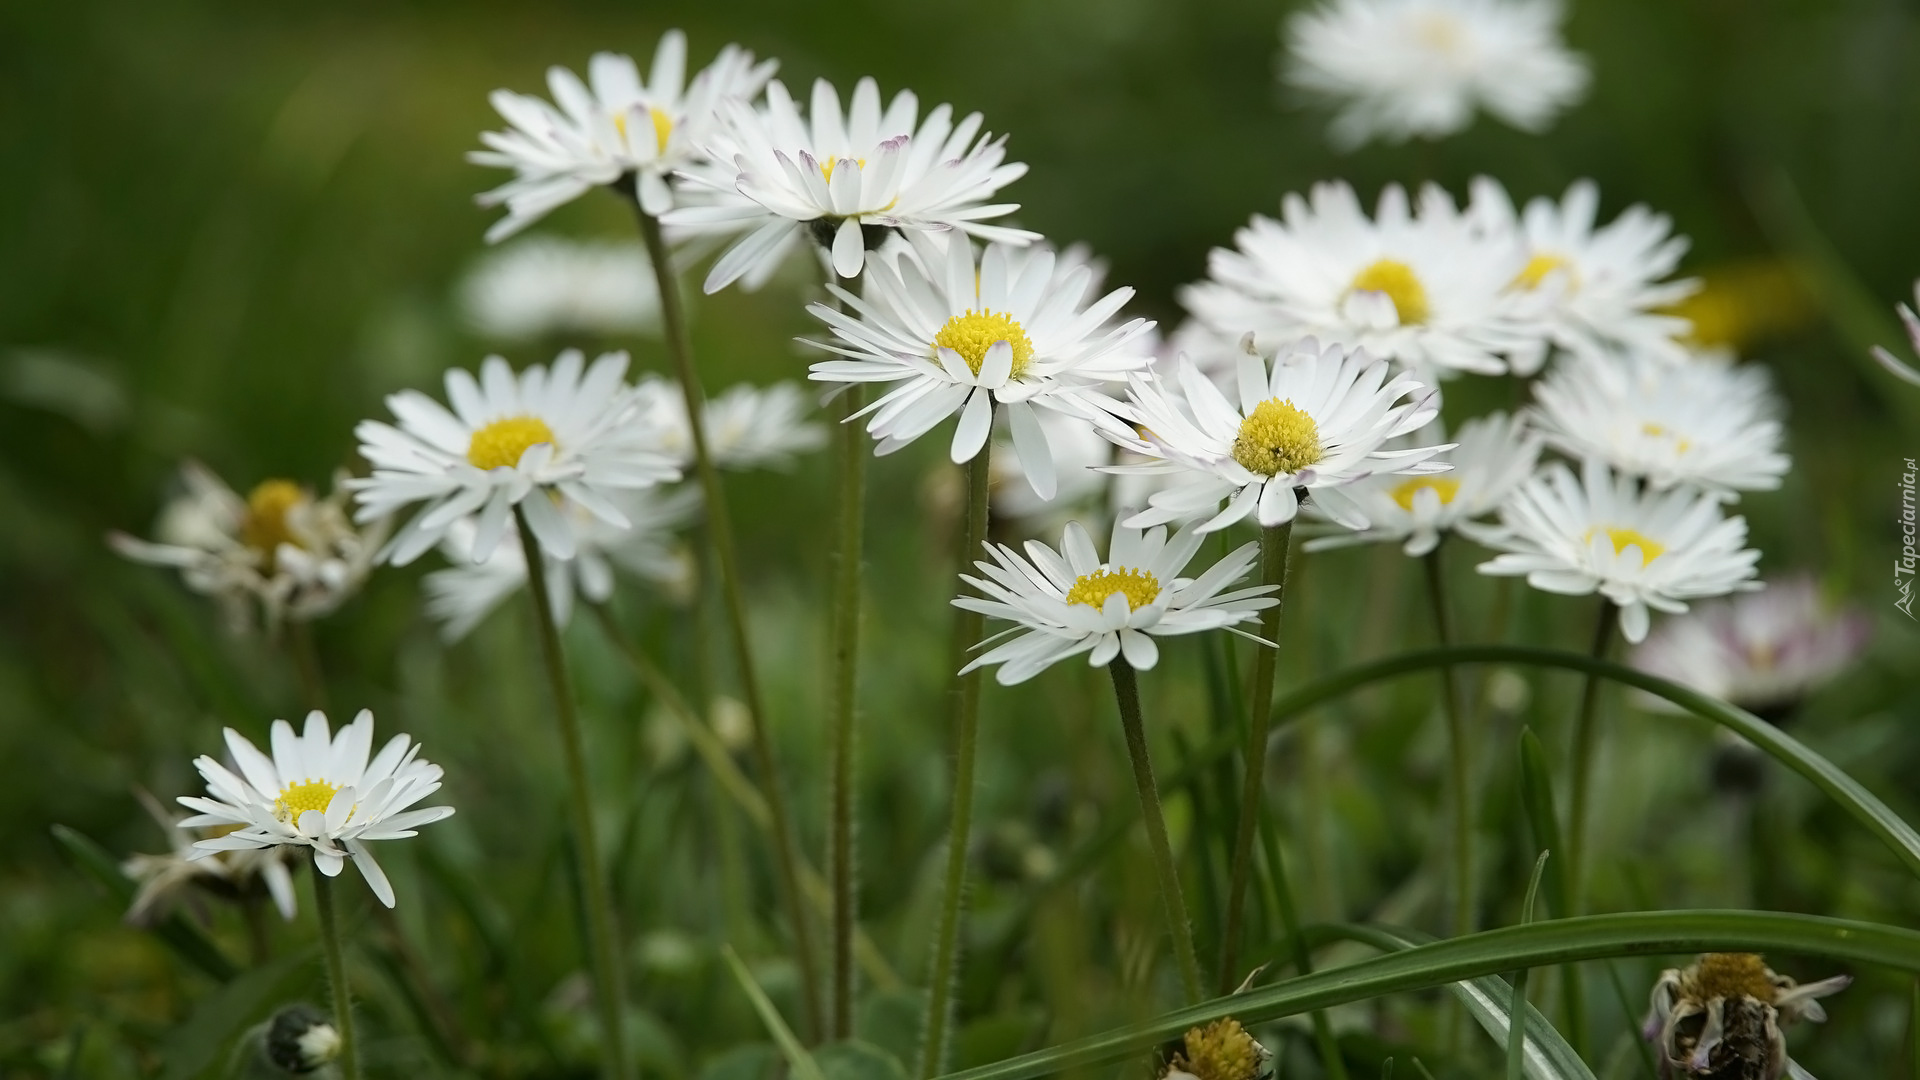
[603, 941]
[966, 736]
[1274, 542]
[1459, 751]
[336, 961]
[1583, 740]
[306, 663]
[846, 662]
[1126, 691]
[720, 533]
[1289, 912]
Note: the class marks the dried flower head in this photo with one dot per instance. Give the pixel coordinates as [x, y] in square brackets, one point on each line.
[1221, 1050]
[1722, 1017]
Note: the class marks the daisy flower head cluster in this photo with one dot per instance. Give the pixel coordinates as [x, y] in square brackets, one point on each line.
[1764, 651]
[614, 128]
[1070, 601]
[279, 552]
[546, 286]
[318, 790]
[1005, 332]
[1401, 69]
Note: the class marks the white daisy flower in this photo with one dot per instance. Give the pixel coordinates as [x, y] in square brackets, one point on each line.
[1426, 289]
[1600, 290]
[1601, 533]
[318, 790]
[1065, 605]
[840, 173]
[1912, 322]
[543, 433]
[1400, 69]
[748, 427]
[1709, 425]
[1077, 450]
[461, 595]
[957, 340]
[1763, 651]
[1317, 421]
[1495, 455]
[612, 129]
[545, 286]
[167, 880]
[280, 549]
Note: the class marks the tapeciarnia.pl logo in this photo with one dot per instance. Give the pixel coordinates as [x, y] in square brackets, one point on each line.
[1903, 567]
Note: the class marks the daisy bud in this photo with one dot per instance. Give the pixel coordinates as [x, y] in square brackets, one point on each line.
[300, 1040]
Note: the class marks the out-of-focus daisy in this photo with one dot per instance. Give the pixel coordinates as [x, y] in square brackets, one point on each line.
[836, 174]
[167, 880]
[611, 129]
[1700, 423]
[1397, 69]
[748, 427]
[546, 432]
[957, 340]
[1317, 421]
[1912, 322]
[1427, 289]
[280, 549]
[1495, 455]
[1764, 651]
[1601, 290]
[543, 286]
[318, 790]
[1600, 533]
[464, 593]
[1078, 449]
[1068, 602]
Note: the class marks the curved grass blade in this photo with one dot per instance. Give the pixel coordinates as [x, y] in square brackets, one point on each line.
[799, 1061]
[183, 937]
[1517, 1011]
[1536, 793]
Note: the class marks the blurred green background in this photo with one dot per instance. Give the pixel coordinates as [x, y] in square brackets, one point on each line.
[227, 230]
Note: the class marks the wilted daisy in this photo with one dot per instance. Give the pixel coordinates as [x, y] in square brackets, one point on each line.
[1495, 455]
[1064, 603]
[747, 426]
[318, 790]
[1317, 421]
[1397, 69]
[167, 880]
[1763, 651]
[544, 433]
[1599, 290]
[1705, 424]
[280, 550]
[1640, 549]
[544, 286]
[1912, 323]
[836, 173]
[611, 129]
[1425, 289]
[1723, 1014]
[955, 339]
[647, 548]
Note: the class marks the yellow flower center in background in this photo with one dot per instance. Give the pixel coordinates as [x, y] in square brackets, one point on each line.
[1443, 486]
[1220, 1051]
[662, 125]
[1438, 32]
[1622, 539]
[264, 528]
[1661, 431]
[503, 441]
[1277, 438]
[826, 167]
[1138, 586]
[1400, 284]
[1538, 267]
[303, 796]
[972, 334]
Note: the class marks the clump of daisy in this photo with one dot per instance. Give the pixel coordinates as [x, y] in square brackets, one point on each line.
[525, 443]
[1426, 287]
[1400, 69]
[1068, 602]
[1702, 424]
[1599, 532]
[548, 286]
[956, 336]
[318, 791]
[279, 552]
[1495, 454]
[838, 173]
[1912, 323]
[1313, 422]
[747, 426]
[182, 874]
[614, 129]
[1222, 1050]
[1599, 291]
[1723, 1015]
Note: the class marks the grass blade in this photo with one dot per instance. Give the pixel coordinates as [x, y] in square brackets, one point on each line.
[798, 1060]
[1517, 1011]
[188, 941]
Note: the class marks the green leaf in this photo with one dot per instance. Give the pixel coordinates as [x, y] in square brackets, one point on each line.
[801, 1062]
[1517, 1033]
[188, 941]
[857, 1060]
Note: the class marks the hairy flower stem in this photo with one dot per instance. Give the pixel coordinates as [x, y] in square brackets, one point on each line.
[336, 961]
[306, 663]
[1126, 691]
[846, 663]
[1583, 749]
[1458, 750]
[603, 940]
[966, 734]
[720, 533]
[1274, 543]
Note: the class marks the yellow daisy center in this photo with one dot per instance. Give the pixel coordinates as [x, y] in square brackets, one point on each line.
[1138, 586]
[1622, 539]
[1400, 284]
[1725, 975]
[1220, 1051]
[972, 334]
[1277, 438]
[1441, 33]
[826, 167]
[1662, 431]
[1538, 267]
[662, 125]
[1443, 486]
[503, 441]
[302, 796]
[264, 528]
